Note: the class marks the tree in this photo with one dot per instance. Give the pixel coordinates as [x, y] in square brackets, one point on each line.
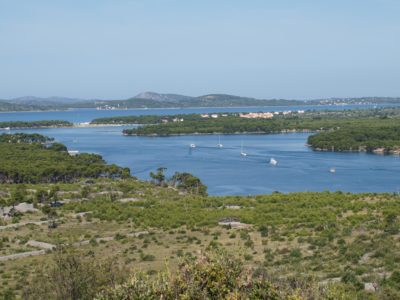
[17, 195]
[41, 195]
[159, 177]
[190, 183]
[72, 275]
[53, 193]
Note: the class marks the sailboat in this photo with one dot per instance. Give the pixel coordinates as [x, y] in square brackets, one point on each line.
[273, 161]
[219, 145]
[242, 153]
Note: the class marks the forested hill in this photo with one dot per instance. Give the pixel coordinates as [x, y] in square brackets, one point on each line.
[34, 124]
[26, 158]
[10, 106]
[262, 123]
[159, 100]
[382, 137]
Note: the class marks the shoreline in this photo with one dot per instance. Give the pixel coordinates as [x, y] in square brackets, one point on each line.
[221, 133]
[76, 125]
[196, 107]
[378, 151]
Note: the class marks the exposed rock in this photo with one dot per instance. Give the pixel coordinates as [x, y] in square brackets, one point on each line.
[370, 287]
[42, 245]
[233, 207]
[125, 200]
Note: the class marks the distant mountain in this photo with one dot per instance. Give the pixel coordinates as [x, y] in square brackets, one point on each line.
[10, 106]
[54, 99]
[159, 100]
[163, 97]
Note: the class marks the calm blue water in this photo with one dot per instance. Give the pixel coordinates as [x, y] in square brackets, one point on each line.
[225, 172]
[86, 115]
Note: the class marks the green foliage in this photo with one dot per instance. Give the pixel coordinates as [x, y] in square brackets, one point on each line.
[24, 138]
[363, 136]
[159, 177]
[70, 275]
[35, 124]
[25, 159]
[190, 183]
[232, 123]
[211, 276]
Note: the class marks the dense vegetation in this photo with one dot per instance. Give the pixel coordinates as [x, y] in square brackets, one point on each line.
[9, 106]
[212, 275]
[233, 123]
[377, 137]
[151, 119]
[28, 158]
[34, 124]
[336, 242]
[24, 138]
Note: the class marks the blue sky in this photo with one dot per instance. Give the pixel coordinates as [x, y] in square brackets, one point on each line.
[265, 49]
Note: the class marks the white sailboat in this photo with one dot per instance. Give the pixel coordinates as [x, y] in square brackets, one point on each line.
[273, 161]
[242, 153]
[219, 145]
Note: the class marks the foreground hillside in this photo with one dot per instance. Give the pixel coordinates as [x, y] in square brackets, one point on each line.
[109, 238]
[351, 241]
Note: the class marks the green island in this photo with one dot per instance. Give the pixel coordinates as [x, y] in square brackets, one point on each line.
[382, 137]
[27, 158]
[375, 131]
[34, 124]
[73, 229]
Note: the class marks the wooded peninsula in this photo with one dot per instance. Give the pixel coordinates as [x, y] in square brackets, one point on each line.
[376, 130]
[34, 124]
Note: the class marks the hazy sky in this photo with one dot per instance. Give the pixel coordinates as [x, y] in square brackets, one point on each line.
[260, 48]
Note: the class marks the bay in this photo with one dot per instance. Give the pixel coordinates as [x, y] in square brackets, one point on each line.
[88, 114]
[226, 172]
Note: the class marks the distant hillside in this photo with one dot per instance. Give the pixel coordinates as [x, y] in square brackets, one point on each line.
[163, 97]
[159, 100]
[156, 100]
[53, 99]
[8, 106]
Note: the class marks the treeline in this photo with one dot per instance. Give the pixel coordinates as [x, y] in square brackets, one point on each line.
[9, 106]
[382, 113]
[28, 158]
[236, 124]
[183, 181]
[24, 138]
[35, 124]
[151, 119]
[369, 138]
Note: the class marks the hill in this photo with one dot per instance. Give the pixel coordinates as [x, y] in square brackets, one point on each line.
[160, 100]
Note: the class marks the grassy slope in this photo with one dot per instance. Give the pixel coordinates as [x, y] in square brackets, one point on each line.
[318, 234]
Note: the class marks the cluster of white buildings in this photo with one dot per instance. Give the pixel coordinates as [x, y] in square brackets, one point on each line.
[173, 120]
[213, 116]
[268, 115]
[259, 115]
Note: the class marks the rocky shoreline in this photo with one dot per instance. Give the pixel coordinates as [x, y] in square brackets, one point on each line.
[381, 151]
